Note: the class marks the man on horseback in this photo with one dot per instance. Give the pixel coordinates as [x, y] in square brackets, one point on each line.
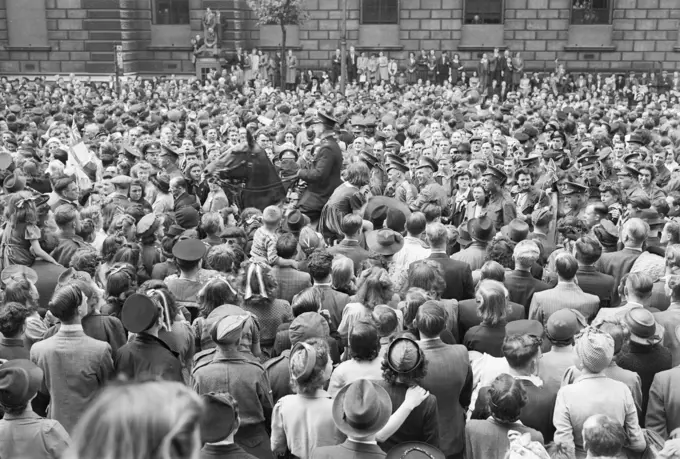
[323, 174]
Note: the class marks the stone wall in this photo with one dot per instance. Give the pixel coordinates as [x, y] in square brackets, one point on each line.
[645, 33]
[82, 33]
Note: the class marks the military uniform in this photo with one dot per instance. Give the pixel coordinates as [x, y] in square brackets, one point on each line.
[322, 176]
[431, 192]
[500, 207]
[571, 188]
[230, 371]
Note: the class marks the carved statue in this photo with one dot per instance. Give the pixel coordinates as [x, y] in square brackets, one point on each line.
[209, 44]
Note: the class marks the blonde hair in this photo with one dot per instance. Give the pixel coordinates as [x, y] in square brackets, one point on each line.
[492, 308]
[149, 420]
[342, 272]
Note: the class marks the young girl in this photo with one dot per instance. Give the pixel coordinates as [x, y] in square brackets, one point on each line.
[304, 421]
[20, 237]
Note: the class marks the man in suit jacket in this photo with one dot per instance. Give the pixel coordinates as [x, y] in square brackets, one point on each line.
[457, 274]
[449, 377]
[670, 319]
[587, 251]
[349, 247]
[289, 280]
[443, 68]
[521, 284]
[663, 409]
[352, 58]
[567, 294]
[75, 366]
[616, 264]
[320, 267]
[538, 412]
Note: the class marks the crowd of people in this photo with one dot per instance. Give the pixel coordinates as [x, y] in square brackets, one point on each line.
[496, 74]
[435, 271]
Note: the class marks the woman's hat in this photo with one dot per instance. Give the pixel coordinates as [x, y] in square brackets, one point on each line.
[415, 450]
[481, 229]
[161, 181]
[595, 349]
[139, 313]
[301, 367]
[219, 416]
[643, 328]
[14, 182]
[17, 272]
[384, 241]
[361, 408]
[295, 221]
[403, 355]
[20, 380]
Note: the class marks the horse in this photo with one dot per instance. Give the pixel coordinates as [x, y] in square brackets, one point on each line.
[247, 176]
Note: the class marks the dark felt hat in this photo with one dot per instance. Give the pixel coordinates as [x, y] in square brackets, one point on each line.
[481, 229]
[14, 182]
[517, 230]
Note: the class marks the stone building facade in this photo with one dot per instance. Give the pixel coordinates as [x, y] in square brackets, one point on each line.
[43, 37]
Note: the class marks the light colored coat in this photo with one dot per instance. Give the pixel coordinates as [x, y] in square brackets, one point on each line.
[75, 367]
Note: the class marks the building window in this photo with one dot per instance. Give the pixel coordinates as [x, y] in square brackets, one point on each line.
[591, 11]
[483, 11]
[380, 11]
[168, 12]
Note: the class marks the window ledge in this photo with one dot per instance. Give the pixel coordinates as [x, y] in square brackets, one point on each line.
[603, 48]
[676, 48]
[387, 48]
[480, 48]
[28, 48]
[278, 47]
[169, 48]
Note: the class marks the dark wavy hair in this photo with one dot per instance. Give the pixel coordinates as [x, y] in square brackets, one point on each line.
[364, 341]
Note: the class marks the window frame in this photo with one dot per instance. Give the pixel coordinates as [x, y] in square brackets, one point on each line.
[362, 19]
[465, 13]
[154, 12]
[609, 8]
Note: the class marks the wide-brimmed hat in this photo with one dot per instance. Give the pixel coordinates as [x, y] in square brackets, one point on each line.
[362, 408]
[643, 328]
[16, 272]
[20, 380]
[295, 221]
[415, 450]
[384, 241]
[481, 229]
[219, 416]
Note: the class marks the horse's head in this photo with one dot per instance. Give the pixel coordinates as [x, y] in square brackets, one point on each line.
[229, 162]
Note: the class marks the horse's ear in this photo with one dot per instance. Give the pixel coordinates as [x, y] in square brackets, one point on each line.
[250, 139]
